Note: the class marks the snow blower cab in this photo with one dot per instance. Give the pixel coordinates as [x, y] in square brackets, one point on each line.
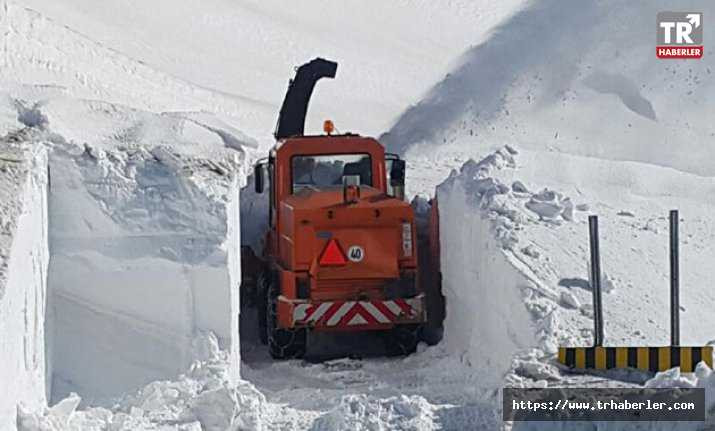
[340, 252]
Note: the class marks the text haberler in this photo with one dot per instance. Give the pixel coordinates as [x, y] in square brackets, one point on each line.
[679, 52]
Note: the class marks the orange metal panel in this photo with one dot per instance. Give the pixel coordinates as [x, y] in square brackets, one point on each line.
[288, 284]
[381, 249]
[285, 312]
[307, 217]
[307, 220]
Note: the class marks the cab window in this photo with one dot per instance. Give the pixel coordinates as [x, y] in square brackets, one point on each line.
[318, 172]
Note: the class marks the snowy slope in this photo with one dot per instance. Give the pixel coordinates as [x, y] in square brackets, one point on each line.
[622, 132]
[601, 127]
[570, 88]
[247, 50]
[626, 135]
[46, 59]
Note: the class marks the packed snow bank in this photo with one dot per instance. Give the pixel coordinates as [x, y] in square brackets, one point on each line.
[526, 236]
[23, 273]
[632, 201]
[515, 266]
[144, 238]
[484, 291]
[206, 398]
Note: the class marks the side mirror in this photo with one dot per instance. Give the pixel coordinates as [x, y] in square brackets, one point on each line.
[397, 178]
[397, 173]
[258, 177]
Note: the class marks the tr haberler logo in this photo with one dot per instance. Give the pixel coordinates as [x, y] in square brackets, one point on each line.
[679, 35]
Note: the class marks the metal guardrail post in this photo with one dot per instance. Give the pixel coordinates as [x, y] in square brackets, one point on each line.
[596, 281]
[674, 281]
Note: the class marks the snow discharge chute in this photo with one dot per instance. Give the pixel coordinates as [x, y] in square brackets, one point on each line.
[291, 120]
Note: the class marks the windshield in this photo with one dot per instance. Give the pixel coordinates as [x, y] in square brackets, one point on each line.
[323, 171]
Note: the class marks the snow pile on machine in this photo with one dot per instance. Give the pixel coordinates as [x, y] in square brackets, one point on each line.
[23, 271]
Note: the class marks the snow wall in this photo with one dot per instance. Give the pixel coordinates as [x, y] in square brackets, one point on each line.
[495, 305]
[145, 261]
[23, 271]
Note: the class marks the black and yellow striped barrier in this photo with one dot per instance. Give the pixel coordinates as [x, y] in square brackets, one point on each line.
[641, 358]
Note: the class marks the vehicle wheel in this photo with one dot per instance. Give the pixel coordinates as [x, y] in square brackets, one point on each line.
[402, 340]
[432, 335]
[262, 287]
[282, 343]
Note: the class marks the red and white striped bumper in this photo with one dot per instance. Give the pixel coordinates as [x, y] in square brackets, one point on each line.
[372, 314]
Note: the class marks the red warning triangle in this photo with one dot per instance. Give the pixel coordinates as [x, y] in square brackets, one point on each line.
[332, 254]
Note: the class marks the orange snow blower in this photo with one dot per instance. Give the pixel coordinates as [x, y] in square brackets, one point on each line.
[652, 359]
[340, 252]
